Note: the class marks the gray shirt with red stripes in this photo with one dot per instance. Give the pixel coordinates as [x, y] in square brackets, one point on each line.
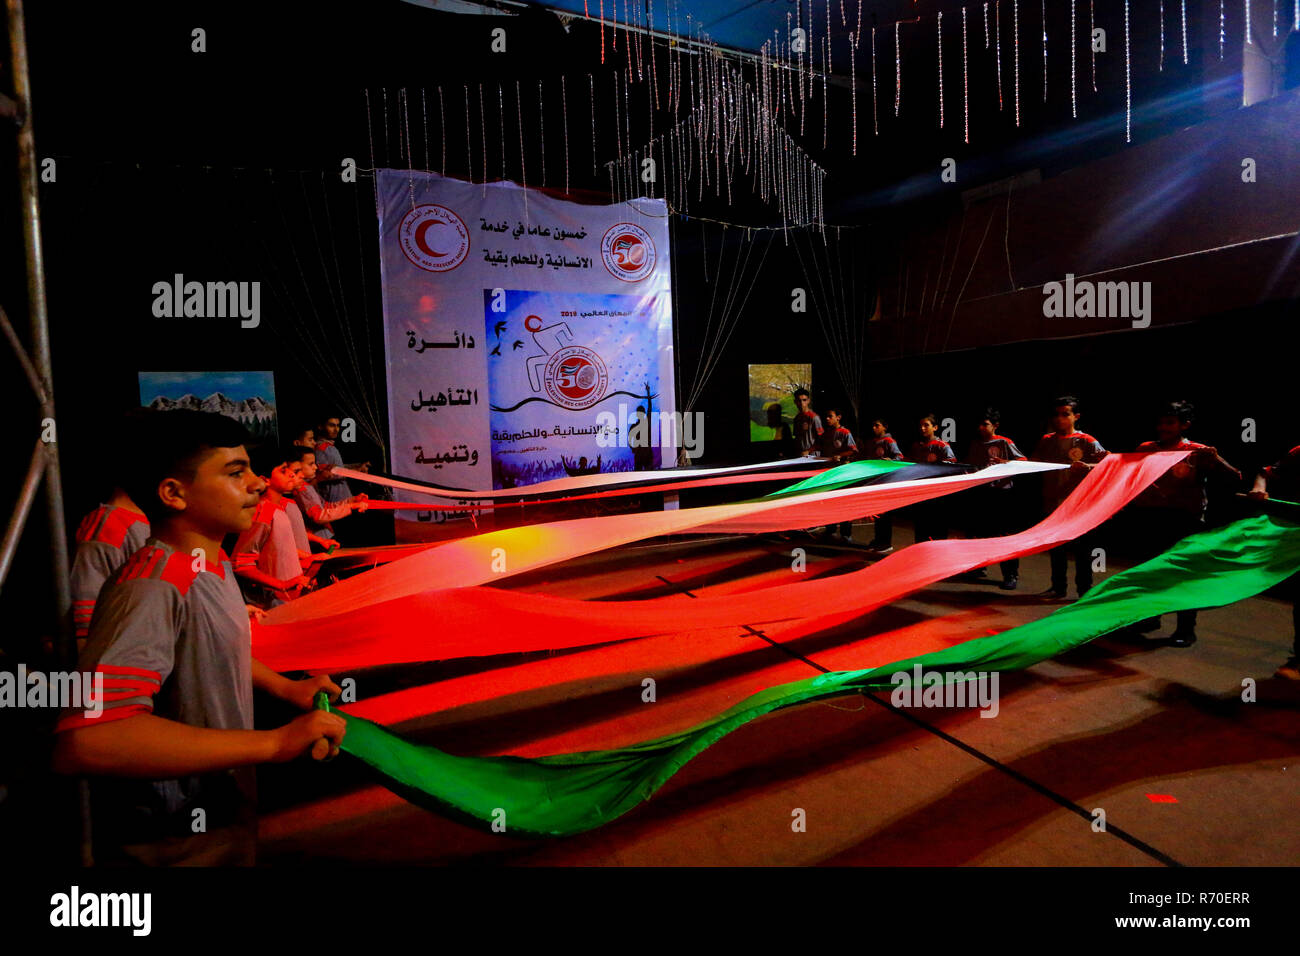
[294, 514]
[932, 450]
[332, 490]
[171, 640]
[884, 447]
[994, 451]
[269, 546]
[1065, 450]
[105, 539]
[318, 512]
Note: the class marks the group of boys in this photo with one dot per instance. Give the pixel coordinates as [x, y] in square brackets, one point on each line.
[274, 559]
[1170, 509]
[167, 626]
[162, 613]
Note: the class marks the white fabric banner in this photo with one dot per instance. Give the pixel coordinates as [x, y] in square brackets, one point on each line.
[522, 332]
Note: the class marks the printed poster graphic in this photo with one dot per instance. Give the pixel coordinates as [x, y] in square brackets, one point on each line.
[445, 248]
[558, 359]
[771, 399]
[247, 397]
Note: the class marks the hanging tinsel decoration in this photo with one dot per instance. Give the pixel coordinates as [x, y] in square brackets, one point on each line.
[1161, 67]
[482, 124]
[1183, 11]
[826, 71]
[654, 68]
[853, 90]
[1043, 4]
[965, 81]
[424, 112]
[442, 126]
[501, 117]
[523, 165]
[875, 121]
[1015, 36]
[940, 29]
[1074, 89]
[591, 80]
[469, 149]
[618, 126]
[732, 126]
[541, 128]
[564, 106]
[1092, 33]
[898, 73]
[1128, 82]
[997, 16]
[798, 6]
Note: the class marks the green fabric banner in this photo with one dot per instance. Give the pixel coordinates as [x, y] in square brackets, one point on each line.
[842, 476]
[570, 793]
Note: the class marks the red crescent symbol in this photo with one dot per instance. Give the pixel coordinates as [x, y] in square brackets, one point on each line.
[420, 230]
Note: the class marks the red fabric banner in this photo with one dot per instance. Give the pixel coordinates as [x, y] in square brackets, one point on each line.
[445, 623]
[495, 555]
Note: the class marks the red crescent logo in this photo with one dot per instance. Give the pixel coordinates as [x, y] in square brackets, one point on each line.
[413, 238]
[423, 228]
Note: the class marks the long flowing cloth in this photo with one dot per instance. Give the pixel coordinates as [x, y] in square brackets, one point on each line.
[570, 793]
[404, 620]
[496, 555]
[605, 483]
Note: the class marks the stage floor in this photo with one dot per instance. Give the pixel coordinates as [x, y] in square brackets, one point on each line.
[1108, 725]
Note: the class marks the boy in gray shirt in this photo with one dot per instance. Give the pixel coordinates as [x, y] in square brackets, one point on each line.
[170, 639]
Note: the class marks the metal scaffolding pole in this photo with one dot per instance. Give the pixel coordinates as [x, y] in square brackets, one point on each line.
[39, 362]
[38, 315]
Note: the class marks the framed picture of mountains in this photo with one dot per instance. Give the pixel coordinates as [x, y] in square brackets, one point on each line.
[247, 397]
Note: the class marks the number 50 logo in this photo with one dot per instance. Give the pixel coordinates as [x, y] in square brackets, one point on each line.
[628, 252]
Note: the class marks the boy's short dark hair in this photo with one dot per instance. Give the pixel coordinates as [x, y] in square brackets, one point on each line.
[1182, 411]
[801, 391]
[991, 415]
[293, 453]
[834, 410]
[267, 458]
[932, 419]
[1067, 400]
[880, 421]
[170, 445]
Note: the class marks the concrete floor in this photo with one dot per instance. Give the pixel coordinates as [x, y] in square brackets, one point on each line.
[1102, 727]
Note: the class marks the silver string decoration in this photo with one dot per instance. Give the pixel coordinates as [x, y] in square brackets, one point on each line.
[940, 28]
[965, 78]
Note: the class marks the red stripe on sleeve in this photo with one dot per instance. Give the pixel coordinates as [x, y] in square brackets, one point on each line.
[80, 721]
[131, 688]
[113, 695]
[116, 670]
